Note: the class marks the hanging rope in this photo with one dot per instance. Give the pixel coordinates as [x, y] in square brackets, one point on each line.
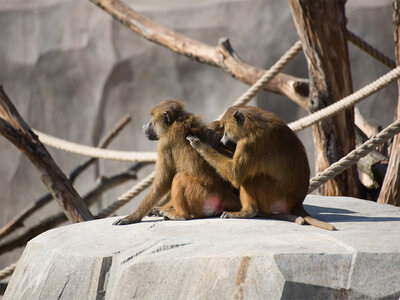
[127, 196]
[375, 53]
[354, 156]
[346, 102]
[7, 271]
[95, 152]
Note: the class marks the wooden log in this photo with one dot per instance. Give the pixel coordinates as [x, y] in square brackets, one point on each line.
[390, 191]
[14, 128]
[321, 28]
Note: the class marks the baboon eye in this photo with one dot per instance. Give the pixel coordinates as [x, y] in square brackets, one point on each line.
[239, 117]
[167, 117]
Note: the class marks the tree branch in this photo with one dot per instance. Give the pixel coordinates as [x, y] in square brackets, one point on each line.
[221, 56]
[104, 185]
[104, 142]
[14, 128]
[18, 220]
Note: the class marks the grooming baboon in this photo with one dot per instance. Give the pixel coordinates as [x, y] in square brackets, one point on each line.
[269, 165]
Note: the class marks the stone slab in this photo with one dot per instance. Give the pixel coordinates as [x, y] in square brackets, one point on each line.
[219, 258]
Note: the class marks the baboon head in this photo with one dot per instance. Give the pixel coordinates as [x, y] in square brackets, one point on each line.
[233, 123]
[162, 116]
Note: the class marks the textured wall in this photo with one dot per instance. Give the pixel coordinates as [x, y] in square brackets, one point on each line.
[73, 72]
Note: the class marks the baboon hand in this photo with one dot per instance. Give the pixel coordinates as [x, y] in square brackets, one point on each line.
[193, 140]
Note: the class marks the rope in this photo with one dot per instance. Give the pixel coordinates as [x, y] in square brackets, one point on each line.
[346, 102]
[375, 53]
[94, 151]
[350, 159]
[7, 271]
[300, 124]
[152, 156]
[244, 99]
[268, 75]
[127, 196]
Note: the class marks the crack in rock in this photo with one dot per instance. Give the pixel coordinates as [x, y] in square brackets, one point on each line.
[168, 247]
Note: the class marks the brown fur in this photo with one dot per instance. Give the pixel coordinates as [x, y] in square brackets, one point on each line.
[197, 191]
[269, 165]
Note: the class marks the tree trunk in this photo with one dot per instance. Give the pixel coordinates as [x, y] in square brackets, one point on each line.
[14, 128]
[321, 28]
[390, 191]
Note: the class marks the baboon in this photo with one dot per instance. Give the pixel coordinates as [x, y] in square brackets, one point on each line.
[269, 166]
[197, 191]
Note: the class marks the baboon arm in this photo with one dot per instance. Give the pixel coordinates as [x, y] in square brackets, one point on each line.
[222, 164]
[161, 185]
[158, 189]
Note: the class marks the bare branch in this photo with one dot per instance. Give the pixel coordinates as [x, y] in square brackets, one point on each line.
[221, 56]
[104, 142]
[14, 128]
[18, 220]
[104, 185]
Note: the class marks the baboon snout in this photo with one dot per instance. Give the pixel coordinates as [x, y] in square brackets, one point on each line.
[149, 131]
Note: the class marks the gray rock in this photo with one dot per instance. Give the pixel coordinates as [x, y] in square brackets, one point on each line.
[219, 259]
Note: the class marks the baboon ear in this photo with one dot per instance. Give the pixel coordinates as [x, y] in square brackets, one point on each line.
[239, 117]
[167, 118]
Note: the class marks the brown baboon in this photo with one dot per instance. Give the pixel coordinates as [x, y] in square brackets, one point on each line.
[269, 165]
[196, 189]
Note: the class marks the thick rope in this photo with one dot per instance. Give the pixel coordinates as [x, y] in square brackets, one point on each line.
[94, 151]
[244, 99]
[350, 159]
[127, 196]
[7, 271]
[268, 75]
[375, 53]
[152, 156]
[346, 102]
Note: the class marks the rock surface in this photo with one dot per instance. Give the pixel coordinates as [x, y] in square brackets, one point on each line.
[219, 259]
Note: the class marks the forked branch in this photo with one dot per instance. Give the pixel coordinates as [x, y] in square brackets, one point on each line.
[221, 56]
